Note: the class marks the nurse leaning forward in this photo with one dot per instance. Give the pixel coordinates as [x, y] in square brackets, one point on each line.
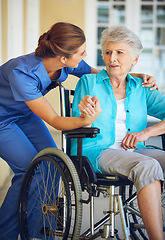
[23, 83]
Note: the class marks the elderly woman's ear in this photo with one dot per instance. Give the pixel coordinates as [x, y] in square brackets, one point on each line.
[135, 61]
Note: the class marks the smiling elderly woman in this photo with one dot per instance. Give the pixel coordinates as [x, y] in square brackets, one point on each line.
[119, 148]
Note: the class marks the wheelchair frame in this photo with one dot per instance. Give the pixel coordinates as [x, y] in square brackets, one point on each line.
[60, 214]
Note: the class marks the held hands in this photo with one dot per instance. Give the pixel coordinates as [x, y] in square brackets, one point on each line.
[88, 105]
[90, 108]
[131, 140]
[149, 81]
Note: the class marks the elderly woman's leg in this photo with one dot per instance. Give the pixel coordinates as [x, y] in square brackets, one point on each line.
[146, 173]
[153, 224]
[149, 201]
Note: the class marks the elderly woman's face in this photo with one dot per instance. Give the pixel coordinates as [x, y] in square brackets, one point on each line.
[117, 58]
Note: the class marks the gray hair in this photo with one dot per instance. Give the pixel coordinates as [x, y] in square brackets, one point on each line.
[121, 34]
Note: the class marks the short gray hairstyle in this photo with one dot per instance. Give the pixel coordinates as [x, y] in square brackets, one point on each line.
[121, 34]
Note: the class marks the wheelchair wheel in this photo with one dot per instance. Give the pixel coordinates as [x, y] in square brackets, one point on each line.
[49, 201]
[137, 229]
[163, 209]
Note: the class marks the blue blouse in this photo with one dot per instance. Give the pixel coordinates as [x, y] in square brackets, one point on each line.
[138, 103]
[24, 79]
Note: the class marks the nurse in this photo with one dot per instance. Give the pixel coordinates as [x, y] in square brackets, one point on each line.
[23, 83]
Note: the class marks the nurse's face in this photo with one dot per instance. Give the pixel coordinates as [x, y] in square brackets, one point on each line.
[77, 57]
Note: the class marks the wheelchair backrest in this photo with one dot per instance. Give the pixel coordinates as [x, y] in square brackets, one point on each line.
[82, 163]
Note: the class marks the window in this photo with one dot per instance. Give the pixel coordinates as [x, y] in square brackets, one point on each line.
[22, 41]
[32, 28]
[144, 17]
[15, 28]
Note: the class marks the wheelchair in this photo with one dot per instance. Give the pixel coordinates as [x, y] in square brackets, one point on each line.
[51, 197]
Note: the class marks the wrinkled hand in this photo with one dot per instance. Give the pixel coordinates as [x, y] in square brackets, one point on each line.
[87, 105]
[149, 81]
[96, 111]
[131, 140]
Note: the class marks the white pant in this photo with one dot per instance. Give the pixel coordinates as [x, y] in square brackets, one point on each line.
[142, 166]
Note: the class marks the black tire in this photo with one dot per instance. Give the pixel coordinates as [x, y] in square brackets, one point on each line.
[163, 209]
[49, 202]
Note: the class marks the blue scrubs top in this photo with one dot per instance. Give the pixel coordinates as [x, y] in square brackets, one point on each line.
[139, 102]
[24, 79]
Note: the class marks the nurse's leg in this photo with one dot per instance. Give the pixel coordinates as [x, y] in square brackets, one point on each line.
[37, 132]
[39, 135]
[18, 152]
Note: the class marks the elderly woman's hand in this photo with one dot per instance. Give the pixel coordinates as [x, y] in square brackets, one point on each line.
[149, 81]
[131, 140]
[87, 105]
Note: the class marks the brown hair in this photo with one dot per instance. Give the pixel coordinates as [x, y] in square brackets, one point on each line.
[63, 39]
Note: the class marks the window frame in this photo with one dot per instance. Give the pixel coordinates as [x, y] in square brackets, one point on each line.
[133, 22]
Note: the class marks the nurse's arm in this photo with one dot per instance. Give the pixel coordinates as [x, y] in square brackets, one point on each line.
[42, 108]
[94, 70]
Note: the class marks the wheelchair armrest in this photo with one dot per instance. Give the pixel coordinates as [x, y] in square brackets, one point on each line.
[84, 132]
[163, 141]
[85, 169]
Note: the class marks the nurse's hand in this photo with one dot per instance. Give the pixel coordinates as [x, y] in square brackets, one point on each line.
[87, 105]
[149, 81]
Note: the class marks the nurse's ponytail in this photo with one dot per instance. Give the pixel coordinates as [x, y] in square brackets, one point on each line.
[63, 39]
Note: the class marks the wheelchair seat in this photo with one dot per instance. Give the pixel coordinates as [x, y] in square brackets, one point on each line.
[115, 180]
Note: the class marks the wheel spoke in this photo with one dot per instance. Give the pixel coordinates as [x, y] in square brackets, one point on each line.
[48, 206]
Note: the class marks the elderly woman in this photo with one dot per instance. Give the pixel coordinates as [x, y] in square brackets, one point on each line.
[119, 148]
